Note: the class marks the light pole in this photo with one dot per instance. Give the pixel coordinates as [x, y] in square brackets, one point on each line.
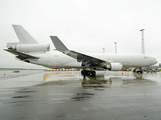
[142, 41]
[115, 47]
[103, 50]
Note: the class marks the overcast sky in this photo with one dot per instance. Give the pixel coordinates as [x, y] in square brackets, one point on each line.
[83, 25]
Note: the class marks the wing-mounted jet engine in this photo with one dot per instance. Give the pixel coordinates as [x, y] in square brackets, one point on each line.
[112, 66]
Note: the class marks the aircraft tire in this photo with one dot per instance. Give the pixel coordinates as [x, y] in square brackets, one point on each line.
[88, 73]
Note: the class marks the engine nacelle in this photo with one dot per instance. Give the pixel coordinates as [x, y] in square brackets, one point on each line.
[31, 47]
[114, 66]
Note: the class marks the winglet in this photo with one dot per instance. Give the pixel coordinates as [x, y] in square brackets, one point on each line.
[58, 44]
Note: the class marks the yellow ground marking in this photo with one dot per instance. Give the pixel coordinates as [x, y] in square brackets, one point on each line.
[55, 74]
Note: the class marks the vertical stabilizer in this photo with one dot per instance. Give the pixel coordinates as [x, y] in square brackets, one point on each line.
[23, 35]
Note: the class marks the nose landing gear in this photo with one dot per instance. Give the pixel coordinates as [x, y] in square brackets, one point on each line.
[138, 70]
[138, 73]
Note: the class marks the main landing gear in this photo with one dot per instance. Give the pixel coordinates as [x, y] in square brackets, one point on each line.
[88, 73]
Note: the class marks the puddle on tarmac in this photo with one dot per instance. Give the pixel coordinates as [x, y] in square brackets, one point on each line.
[25, 91]
[25, 96]
[82, 96]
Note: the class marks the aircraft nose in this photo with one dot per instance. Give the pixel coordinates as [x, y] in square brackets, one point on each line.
[155, 61]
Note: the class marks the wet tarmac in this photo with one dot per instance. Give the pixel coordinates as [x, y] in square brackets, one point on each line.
[59, 95]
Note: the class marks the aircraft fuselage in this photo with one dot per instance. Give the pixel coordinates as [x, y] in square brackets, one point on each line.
[59, 60]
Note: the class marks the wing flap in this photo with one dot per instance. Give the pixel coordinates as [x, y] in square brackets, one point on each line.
[80, 57]
[87, 60]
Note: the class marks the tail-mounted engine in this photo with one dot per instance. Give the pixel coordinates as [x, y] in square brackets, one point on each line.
[27, 48]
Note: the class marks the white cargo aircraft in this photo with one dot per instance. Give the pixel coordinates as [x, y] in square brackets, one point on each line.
[29, 50]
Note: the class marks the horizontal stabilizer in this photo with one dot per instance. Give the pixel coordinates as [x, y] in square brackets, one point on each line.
[21, 55]
[58, 44]
[23, 35]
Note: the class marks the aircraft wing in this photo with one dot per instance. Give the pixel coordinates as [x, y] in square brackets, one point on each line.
[87, 61]
[21, 55]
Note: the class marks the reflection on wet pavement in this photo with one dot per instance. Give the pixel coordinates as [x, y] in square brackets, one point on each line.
[100, 80]
[110, 95]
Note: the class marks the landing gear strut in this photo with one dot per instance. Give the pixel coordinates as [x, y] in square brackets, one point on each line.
[88, 73]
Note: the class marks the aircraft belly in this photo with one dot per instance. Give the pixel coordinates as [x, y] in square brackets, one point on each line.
[59, 61]
[73, 64]
[126, 64]
[40, 61]
[54, 63]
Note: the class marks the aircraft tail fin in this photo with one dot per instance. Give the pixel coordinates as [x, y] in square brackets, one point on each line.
[23, 35]
[58, 44]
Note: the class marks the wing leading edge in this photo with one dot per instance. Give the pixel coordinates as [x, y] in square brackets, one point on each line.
[87, 61]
